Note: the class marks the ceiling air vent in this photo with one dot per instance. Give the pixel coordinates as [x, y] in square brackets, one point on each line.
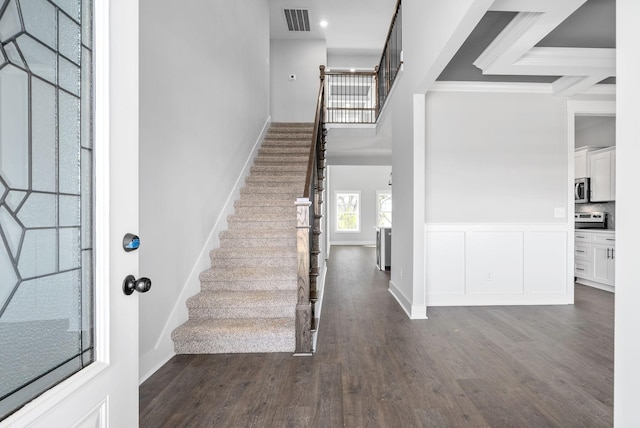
[297, 19]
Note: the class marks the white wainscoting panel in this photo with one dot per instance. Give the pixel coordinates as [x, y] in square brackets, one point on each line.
[494, 262]
[498, 264]
[445, 263]
[545, 262]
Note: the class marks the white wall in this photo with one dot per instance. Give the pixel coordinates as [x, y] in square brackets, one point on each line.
[497, 170]
[601, 132]
[627, 321]
[204, 100]
[495, 158]
[432, 33]
[366, 179]
[360, 61]
[295, 100]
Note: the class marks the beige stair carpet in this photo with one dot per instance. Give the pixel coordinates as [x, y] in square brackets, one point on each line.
[249, 295]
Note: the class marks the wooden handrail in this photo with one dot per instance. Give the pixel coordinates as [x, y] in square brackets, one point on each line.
[316, 129]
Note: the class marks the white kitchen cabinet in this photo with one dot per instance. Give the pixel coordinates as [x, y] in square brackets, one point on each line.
[602, 164]
[581, 161]
[595, 258]
[603, 263]
[581, 164]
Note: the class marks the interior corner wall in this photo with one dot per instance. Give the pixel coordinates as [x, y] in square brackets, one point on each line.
[367, 180]
[204, 100]
[495, 158]
[294, 100]
[431, 33]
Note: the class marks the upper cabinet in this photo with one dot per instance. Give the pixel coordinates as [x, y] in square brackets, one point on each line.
[582, 164]
[602, 165]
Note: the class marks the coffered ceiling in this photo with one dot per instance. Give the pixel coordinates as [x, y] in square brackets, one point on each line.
[569, 43]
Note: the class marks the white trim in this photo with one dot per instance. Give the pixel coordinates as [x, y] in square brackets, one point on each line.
[414, 312]
[163, 350]
[533, 88]
[360, 243]
[501, 300]
[500, 227]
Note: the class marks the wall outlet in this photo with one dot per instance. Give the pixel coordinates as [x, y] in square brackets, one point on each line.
[489, 276]
[401, 274]
[559, 212]
[292, 77]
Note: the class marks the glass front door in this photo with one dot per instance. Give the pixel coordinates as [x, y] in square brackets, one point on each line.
[46, 168]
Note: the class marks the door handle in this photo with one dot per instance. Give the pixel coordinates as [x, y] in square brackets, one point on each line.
[131, 284]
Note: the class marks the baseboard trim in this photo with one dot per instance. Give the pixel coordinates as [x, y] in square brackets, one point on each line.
[362, 243]
[163, 350]
[414, 312]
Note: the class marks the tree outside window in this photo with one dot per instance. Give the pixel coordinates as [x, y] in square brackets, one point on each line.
[347, 211]
[383, 208]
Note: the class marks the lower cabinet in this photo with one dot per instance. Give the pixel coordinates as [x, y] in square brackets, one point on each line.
[595, 258]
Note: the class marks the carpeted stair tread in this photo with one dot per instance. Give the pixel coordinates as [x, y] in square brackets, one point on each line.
[255, 253]
[216, 336]
[260, 274]
[256, 302]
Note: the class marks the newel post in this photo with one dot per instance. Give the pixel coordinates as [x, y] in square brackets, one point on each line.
[303, 307]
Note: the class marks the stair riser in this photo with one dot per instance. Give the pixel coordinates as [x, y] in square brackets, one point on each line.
[279, 169]
[218, 263]
[261, 225]
[239, 285]
[289, 211]
[264, 216]
[279, 188]
[243, 312]
[283, 151]
[276, 180]
[257, 243]
[230, 346]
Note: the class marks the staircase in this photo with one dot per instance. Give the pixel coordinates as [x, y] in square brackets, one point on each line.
[249, 295]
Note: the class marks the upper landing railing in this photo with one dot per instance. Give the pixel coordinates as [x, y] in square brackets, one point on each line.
[358, 96]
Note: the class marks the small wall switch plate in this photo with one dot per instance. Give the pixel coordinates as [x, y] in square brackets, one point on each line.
[292, 77]
[559, 212]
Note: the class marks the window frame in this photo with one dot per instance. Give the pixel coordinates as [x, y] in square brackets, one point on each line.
[337, 211]
[378, 208]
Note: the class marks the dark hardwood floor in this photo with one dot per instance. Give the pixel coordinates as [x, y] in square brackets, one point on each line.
[533, 366]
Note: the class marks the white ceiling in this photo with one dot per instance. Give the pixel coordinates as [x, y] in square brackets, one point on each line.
[358, 26]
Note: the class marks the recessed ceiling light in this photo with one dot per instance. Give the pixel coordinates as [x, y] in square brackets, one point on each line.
[324, 23]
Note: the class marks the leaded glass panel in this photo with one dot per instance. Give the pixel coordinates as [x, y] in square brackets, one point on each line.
[46, 193]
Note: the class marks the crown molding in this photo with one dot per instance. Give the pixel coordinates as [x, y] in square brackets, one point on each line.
[496, 87]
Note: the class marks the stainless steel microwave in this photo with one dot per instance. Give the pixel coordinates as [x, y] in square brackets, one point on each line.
[581, 190]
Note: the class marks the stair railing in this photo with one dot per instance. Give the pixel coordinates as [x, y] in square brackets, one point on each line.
[308, 216]
[390, 60]
[357, 97]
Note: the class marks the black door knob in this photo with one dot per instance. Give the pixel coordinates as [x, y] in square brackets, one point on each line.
[131, 284]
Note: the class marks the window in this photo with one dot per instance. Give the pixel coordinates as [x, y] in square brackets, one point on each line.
[383, 208]
[348, 211]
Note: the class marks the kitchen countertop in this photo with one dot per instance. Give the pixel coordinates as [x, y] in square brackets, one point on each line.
[596, 230]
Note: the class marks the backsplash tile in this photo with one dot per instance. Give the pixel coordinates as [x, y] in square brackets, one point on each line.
[607, 207]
